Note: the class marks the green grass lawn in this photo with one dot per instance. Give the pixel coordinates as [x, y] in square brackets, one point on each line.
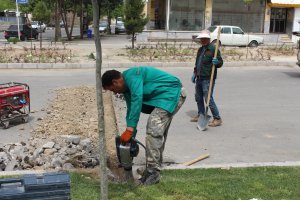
[263, 183]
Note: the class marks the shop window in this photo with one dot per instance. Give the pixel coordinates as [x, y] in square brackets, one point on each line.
[278, 20]
[236, 13]
[157, 14]
[186, 15]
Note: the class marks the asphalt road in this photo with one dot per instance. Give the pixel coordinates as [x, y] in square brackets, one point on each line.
[259, 106]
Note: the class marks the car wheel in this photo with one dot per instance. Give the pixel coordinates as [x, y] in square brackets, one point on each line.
[22, 38]
[215, 41]
[253, 44]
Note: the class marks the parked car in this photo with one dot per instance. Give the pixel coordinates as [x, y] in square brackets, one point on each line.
[120, 28]
[103, 26]
[39, 26]
[234, 36]
[119, 19]
[26, 32]
[61, 24]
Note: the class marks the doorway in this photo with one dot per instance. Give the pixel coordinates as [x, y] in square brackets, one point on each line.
[157, 14]
[278, 20]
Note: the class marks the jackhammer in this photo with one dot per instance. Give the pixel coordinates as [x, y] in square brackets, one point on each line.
[126, 152]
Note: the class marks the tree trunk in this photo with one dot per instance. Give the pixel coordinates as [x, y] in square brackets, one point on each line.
[41, 39]
[73, 19]
[57, 21]
[109, 21]
[100, 108]
[63, 13]
[132, 40]
[81, 19]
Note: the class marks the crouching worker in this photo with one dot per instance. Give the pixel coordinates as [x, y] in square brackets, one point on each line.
[153, 92]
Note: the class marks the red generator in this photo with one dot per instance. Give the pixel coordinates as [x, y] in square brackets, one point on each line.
[14, 103]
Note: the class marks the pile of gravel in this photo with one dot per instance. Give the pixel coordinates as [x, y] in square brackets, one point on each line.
[64, 152]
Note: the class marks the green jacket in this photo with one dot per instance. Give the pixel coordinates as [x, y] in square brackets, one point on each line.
[149, 88]
[206, 62]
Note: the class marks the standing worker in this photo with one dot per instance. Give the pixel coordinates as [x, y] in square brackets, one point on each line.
[153, 92]
[202, 74]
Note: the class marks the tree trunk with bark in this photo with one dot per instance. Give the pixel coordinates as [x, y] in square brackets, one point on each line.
[100, 108]
[57, 21]
[132, 40]
[63, 13]
[81, 19]
[73, 18]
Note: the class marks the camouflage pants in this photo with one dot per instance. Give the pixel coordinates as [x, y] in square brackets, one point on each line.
[157, 131]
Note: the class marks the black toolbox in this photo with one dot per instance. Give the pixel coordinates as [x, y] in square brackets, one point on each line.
[49, 186]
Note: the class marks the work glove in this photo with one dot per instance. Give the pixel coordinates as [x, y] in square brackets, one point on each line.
[126, 136]
[193, 78]
[215, 61]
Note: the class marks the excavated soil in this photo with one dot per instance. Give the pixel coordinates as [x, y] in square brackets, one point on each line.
[73, 111]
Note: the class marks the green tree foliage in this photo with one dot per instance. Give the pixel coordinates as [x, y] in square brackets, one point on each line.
[106, 9]
[247, 2]
[7, 4]
[41, 12]
[135, 18]
[118, 11]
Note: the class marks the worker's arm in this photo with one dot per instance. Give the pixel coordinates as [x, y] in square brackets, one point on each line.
[134, 103]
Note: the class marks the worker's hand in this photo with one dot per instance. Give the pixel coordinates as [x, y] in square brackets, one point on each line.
[215, 61]
[126, 136]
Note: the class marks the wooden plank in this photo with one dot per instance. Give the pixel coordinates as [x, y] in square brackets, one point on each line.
[202, 157]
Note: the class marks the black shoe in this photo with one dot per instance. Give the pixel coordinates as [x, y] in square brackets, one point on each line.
[150, 177]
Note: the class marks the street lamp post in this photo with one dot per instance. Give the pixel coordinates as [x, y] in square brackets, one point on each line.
[18, 13]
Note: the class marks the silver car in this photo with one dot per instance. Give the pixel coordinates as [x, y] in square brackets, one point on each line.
[103, 27]
[39, 26]
[120, 28]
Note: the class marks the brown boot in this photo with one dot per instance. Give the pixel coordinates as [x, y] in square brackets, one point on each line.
[215, 122]
[195, 118]
[140, 170]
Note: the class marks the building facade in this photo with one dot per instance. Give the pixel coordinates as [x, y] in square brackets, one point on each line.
[9, 16]
[186, 17]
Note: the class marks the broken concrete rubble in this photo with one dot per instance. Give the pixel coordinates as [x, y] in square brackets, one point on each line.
[56, 154]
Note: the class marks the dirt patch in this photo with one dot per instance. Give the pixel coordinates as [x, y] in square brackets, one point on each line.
[15, 54]
[73, 111]
[188, 54]
[58, 54]
[71, 53]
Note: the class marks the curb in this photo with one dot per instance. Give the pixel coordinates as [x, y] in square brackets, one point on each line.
[135, 64]
[235, 165]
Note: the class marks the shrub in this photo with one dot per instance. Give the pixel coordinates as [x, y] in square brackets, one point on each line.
[13, 40]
